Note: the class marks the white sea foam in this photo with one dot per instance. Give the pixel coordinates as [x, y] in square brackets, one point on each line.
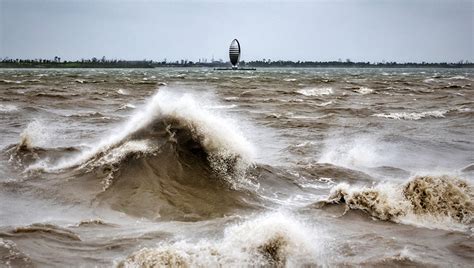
[230, 106]
[118, 153]
[457, 77]
[325, 103]
[127, 106]
[12, 81]
[413, 115]
[364, 90]
[432, 202]
[274, 239]
[318, 91]
[122, 92]
[8, 108]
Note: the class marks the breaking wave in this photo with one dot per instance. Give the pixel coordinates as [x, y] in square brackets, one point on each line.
[127, 106]
[414, 115]
[316, 91]
[434, 202]
[172, 158]
[122, 92]
[275, 240]
[364, 90]
[8, 108]
[12, 256]
[217, 135]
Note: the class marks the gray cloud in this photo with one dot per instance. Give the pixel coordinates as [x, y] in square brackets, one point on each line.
[306, 30]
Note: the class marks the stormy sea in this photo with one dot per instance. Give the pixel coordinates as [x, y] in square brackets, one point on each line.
[200, 168]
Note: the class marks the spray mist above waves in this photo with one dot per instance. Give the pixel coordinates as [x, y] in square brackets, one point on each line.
[369, 152]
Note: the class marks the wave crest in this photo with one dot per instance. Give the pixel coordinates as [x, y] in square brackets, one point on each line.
[316, 91]
[414, 115]
[275, 240]
[172, 159]
[422, 200]
[440, 196]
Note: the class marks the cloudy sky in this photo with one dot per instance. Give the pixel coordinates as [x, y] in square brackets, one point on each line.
[361, 30]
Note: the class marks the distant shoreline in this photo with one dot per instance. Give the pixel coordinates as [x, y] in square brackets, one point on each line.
[24, 64]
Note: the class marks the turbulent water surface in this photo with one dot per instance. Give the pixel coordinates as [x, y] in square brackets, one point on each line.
[274, 167]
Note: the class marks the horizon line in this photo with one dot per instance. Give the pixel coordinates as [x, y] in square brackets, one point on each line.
[211, 61]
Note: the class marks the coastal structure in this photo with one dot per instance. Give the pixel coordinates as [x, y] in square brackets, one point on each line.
[234, 53]
[234, 56]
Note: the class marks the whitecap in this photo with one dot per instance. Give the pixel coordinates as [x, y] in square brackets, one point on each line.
[364, 90]
[127, 106]
[221, 106]
[457, 77]
[274, 239]
[318, 91]
[8, 108]
[441, 202]
[413, 115]
[122, 92]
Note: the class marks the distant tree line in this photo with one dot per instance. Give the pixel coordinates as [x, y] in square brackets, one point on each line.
[82, 63]
[348, 64]
[117, 63]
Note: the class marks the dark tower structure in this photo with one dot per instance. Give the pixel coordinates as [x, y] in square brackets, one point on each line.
[234, 53]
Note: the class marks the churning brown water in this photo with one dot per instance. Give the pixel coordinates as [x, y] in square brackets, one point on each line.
[274, 167]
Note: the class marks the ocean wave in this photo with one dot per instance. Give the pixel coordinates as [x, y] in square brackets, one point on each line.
[58, 232]
[172, 145]
[457, 77]
[325, 103]
[122, 92]
[12, 256]
[414, 115]
[364, 90]
[231, 106]
[218, 136]
[127, 106]
[319, 91]
[404, 258]
[11, 81]
[8, 108]
[275, 240]
[433, 202]
[86, 114]
[54, 96]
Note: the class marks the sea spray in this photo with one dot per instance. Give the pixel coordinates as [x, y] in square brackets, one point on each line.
[319, 91]
[438, 200]
[219, 135]
[36, 134]
[272, 239]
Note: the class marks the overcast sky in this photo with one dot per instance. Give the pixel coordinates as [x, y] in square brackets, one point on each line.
[361, 30]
